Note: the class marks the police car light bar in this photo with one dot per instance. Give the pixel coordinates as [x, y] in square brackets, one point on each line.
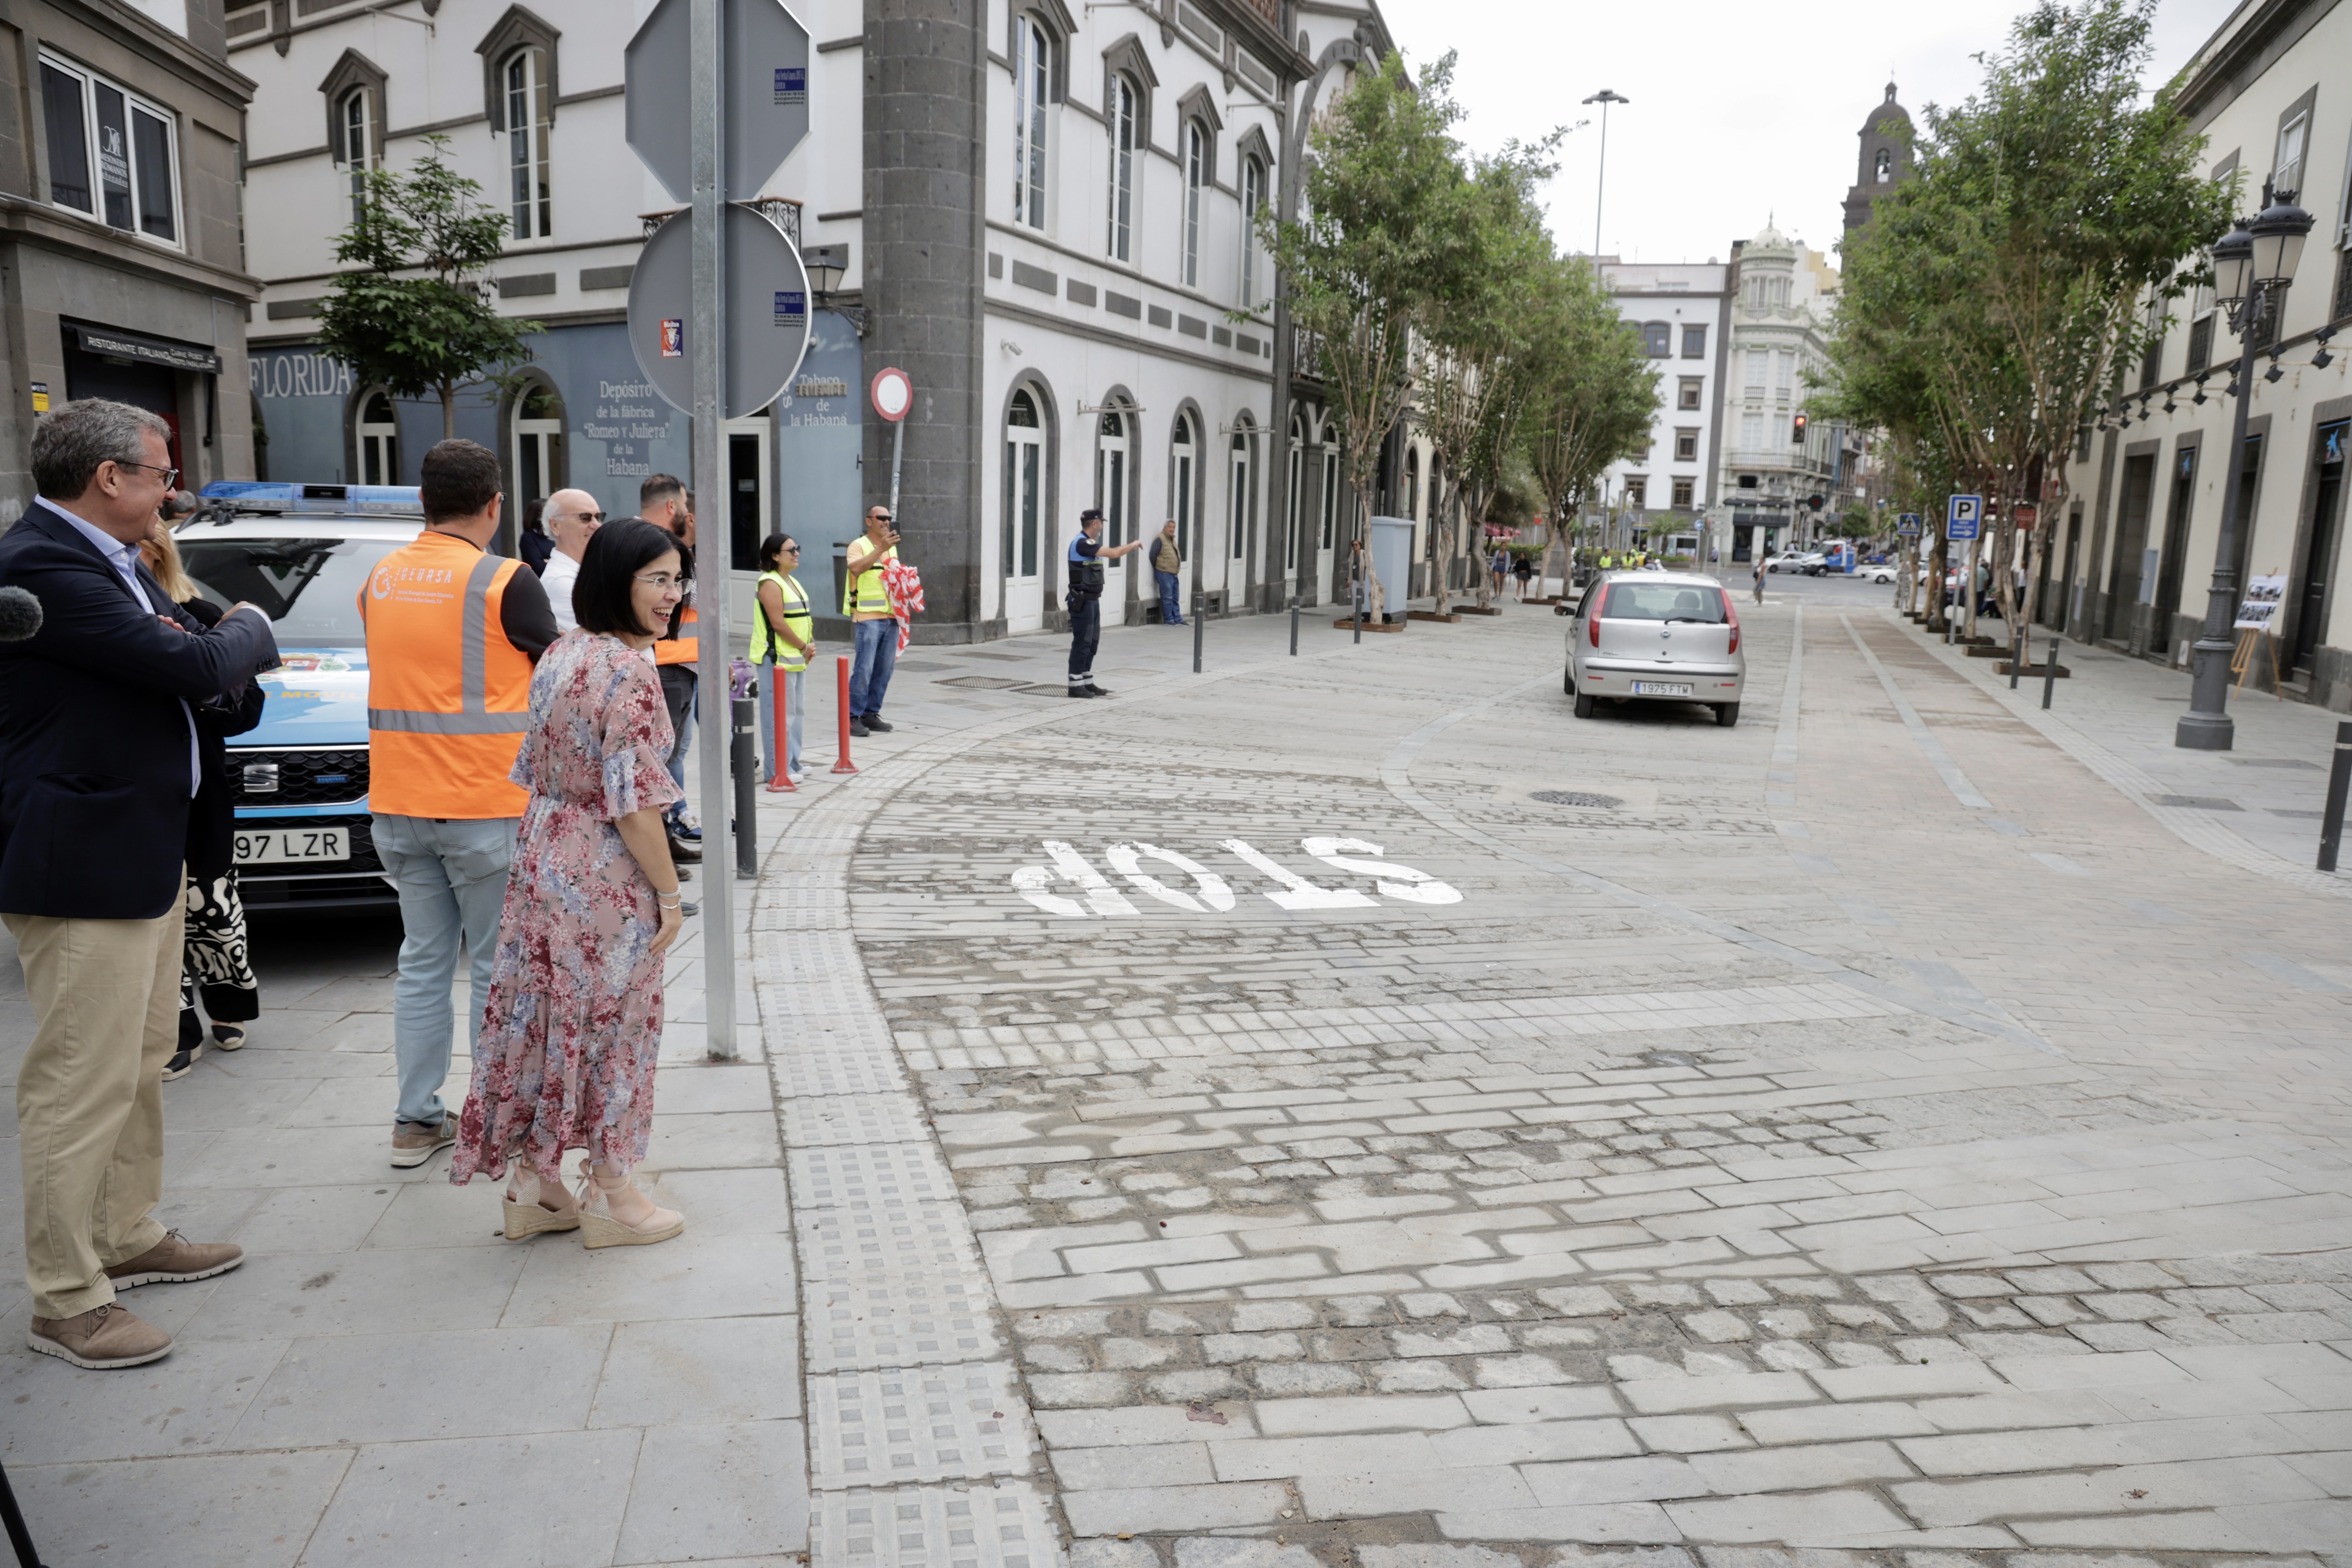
[325, 500]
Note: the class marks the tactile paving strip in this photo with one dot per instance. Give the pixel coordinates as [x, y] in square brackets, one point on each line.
[885, 1238]
[801, 1070]
[835, 1176]
[916, 1424]
[877, 1324]
[852, 1119]
[1007, 1525]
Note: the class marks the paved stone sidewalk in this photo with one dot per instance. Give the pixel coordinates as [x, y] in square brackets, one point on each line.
[1243, 1123]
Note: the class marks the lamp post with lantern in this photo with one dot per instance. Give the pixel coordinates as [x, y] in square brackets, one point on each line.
[2253, 265]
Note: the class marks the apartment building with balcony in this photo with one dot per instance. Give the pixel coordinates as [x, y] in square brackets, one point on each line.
[1682, 314]
[1042, 211]
[2133, 556]
[1776, 459]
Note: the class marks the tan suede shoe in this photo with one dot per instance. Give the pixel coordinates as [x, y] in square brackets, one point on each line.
[100, 1338]
[175, 1260]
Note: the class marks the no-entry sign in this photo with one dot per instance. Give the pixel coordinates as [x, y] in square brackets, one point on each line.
[892, 394]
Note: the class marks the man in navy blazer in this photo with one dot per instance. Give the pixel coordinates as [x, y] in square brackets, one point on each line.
[97, 765]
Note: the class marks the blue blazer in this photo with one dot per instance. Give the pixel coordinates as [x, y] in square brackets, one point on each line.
[93, 742]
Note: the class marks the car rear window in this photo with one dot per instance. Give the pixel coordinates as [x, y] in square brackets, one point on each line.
[1663, 602]
[310, 587]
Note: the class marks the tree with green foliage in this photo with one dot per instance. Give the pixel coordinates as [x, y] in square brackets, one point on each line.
[427, 335]
[1996, 296]
[1594, 396]
[1381, 183]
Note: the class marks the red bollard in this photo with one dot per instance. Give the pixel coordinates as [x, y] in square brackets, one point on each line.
[783, 779]
[841, 666]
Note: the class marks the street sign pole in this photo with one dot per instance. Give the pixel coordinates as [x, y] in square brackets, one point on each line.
[707, 317]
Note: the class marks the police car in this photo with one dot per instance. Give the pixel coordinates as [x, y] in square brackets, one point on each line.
[299, 780]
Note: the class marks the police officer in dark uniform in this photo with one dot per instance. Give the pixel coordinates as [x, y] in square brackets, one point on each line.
[1084, 599]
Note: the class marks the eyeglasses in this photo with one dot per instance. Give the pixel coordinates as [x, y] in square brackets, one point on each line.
[880, 517]
[661, 581]
[792, 550]
[170, 476]
[584, 516]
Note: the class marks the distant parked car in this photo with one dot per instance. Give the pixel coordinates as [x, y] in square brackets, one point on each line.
[1671, 637]
[1881, 572]
[1808, 561]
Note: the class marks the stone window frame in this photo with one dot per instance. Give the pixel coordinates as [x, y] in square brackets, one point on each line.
[519, 28]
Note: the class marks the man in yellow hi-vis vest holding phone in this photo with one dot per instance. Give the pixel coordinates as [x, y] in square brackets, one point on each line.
[873, 622]
[452, 634]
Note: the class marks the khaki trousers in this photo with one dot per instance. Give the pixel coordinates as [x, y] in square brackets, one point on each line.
[90, 1097]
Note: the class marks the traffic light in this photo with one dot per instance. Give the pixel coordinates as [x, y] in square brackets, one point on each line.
[1797, 429]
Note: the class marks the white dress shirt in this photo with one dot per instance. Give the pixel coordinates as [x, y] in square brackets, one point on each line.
[557, 577]
[124, 559]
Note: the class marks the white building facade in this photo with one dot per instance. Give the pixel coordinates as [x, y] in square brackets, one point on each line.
[1042, 213]
[1681, 311]
[1775, 457]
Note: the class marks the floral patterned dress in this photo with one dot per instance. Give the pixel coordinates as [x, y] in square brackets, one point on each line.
[573, 1025]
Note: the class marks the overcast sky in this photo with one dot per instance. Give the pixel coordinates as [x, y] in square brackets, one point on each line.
[1739, 111]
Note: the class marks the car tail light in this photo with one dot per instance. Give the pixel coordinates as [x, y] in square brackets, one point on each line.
[1592, 621]
[1731, 614]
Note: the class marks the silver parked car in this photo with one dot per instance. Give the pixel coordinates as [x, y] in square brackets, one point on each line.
[1656, 638]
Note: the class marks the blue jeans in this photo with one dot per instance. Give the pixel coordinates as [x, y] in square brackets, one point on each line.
[795, 712]
[452, 880]
[869, 677]
[1171, 607]
[682, 696]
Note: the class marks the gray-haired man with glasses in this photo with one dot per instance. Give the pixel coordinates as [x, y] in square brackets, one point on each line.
[572, 520]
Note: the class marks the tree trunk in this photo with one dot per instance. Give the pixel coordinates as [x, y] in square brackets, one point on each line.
[1440, 505]
[1367, 572]
[448, 412]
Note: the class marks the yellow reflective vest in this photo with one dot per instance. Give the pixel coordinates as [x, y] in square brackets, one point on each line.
[797, 620]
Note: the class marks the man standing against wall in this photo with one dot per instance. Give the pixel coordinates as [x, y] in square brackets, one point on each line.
[452, 634]
[874, 622]
[1085, 600]
[572, 520]
[1167, 566]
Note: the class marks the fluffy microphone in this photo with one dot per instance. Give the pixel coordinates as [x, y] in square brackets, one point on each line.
[20, 614]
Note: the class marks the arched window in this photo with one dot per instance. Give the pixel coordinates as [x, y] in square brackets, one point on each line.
[1182, 476]
[1242, 513]
[1124, 100]
[1114, 475]
[1252, 203]
[379, 433]
[1295, 493]
[355, 123]
[1886, 165]
[1032, 80]
[1024, 484]
[537, 457]
[1196, 174]
[529, 118]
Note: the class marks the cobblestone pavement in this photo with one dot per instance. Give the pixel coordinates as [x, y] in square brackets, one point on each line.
[1345, 1110]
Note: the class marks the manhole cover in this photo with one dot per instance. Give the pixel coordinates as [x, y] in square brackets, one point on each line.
[2197, 801]
[979, 682]
[1576, 797]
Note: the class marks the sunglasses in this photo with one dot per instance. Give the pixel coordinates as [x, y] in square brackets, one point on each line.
[584, 516]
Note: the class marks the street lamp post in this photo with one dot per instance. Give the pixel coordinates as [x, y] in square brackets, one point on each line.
[1604, 97]
[2253, 265]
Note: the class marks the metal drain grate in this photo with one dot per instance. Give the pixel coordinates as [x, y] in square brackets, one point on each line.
[2197, 801]
[1576, 797]
[980, 683]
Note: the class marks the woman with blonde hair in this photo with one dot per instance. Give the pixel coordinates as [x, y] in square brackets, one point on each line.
[214, 965]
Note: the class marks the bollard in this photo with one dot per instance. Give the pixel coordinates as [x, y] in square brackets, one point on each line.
[13, 1517]
[2050, 673]
[743, 762]
[783, 780]
[2340, 783]
[1294, 626]
[1197, 619]
[1360, 610]
[2016, 657]
[841, 668]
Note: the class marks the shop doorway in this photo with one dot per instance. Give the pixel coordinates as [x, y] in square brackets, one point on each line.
[2319, 550]
[153, 387]
[750, 510]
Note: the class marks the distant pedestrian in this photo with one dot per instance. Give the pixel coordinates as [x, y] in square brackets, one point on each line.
[1497, 564]
[532, 543]
[1167, 566]
[452, 634]
[873, 621]
[215, 967]
[1522, 567]
[571, 1020]
[572, 519]
[1083, 598]
[1763, 564]
[782, 635]
[100, 759]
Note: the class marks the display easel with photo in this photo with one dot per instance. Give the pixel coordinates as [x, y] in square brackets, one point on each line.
[2256, 612]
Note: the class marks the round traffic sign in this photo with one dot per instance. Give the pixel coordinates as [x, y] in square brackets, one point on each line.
[893, 394]
[767, 318]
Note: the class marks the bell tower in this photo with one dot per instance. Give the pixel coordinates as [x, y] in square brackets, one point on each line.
[1884, 160]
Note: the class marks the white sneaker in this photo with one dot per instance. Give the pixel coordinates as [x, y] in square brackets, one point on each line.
[796, 775]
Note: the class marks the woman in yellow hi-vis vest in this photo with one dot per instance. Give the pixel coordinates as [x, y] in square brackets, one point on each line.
[783, 634]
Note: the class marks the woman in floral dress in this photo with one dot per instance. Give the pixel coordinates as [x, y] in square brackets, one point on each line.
[571, 1027]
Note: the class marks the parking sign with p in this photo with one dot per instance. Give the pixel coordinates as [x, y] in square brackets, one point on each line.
[1964, 517]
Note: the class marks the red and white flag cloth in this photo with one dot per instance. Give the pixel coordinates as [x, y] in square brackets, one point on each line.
[904, 586]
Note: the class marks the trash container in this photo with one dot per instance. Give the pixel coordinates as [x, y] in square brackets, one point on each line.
[1392, 559]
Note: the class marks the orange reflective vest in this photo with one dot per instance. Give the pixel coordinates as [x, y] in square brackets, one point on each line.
[448, 696]
[679, 650]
